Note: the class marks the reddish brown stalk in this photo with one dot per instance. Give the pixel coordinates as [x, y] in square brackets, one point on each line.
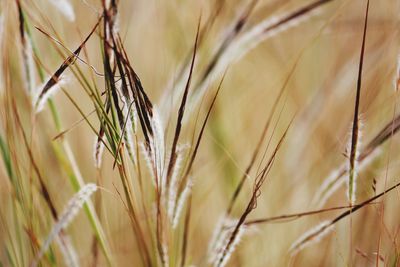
[352, 210]
[362, 204]
[143, 104]
[111, 45]
[199, 137]
[43, 189]
[383, 135]
[260, 141]
[294, 216]
[260, 179]
[298, 13]
[108, 69]
[139, 236]
[182, 110]
[145, 113]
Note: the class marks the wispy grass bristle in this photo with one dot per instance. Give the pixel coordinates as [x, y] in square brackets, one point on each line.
[219, 238]
[238, 47]
[68, 251]
[181, 202]
[311, 237]
[158, 147]
[41, 97]
[353, 164]
[27, 53]
[320, 231]
[173, 188]
[69, 213]
[64, 7]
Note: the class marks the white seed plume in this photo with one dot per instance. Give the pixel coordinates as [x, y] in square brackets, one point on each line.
[155, 157]
[38, 101]
[65, 7]
[181, 202]
[29, 65]
[165, 255]
[147, 158]
[72, 208]
[116, 24]
[69, 254]
[330, 185]
[224, 256]
[220, 239]
[337, 178]
[353, 172]
[232, 248]
[172, 190]
[215, 239]
[158, 146]
[310, 237]
[129, 139]
[130, 116]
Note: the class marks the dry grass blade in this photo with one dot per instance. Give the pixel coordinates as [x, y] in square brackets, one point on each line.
[318, 231]
[62, 239]
[182, 110]
[298, 13]
[43, 188]
[356, 125]
[67, 62]
[199, 137]
[294, 216]
[229, 38]
[259, 181]
[259, 144]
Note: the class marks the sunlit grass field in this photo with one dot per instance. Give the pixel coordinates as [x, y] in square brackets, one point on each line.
[199, 133]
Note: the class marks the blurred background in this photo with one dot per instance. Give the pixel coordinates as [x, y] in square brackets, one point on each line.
[318, 57]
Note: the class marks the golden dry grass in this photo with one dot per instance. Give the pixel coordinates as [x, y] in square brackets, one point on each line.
[318, 58]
